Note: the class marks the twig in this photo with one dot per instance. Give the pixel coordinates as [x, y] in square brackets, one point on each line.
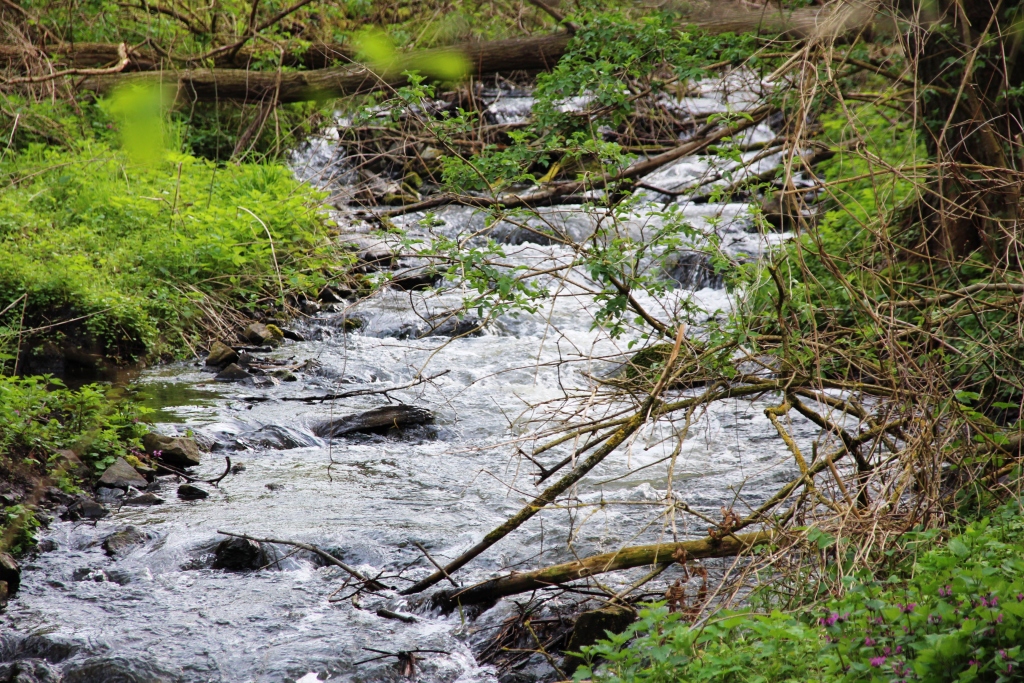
[433, 562]
[364, 392]
[122, 53]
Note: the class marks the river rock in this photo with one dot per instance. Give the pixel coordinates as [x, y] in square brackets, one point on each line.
[220, 355]
[120, 541]
[285, 375]
[176, 451]
[190, 492]
[85, 508]
[232, 373]
[121, 475]
[239, 554]
[145, 499]
[260, 335]
[29, 671]
[378, 420]
[53, 649]
[292, 334]
[594, 625]
[10, 572]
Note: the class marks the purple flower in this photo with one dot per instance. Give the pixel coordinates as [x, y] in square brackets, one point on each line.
[999, 619]
[1020, 597]
[973, 662]
[907, 609]
[830, 620]
[869, 641]
[877, 661]
[887, 650]
[1002, 653]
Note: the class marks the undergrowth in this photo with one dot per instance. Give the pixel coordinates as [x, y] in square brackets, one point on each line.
[952, 613]
[39, 418]
[140, 258]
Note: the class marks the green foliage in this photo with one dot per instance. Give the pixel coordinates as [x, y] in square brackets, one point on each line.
[952, 613]
[39, 416]
[137, 252]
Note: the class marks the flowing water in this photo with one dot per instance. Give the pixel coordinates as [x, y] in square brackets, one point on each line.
[158, 609]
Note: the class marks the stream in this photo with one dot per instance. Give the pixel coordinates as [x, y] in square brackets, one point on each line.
[158, 611]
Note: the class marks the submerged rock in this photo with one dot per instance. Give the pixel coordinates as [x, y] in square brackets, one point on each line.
[176, 451]
[221, 354]
[191, 492]
[378, 420]
[85, 508]
[120, 541]
[239, 554]
[29, 671]
[122, 475]
[232, 373]
[145, 499]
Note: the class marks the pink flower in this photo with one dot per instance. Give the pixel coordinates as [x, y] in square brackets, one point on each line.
[877, 661]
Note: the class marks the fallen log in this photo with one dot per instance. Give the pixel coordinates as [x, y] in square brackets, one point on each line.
[484, 59]
[626, 558]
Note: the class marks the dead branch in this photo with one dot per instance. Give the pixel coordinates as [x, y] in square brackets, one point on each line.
[626, 558]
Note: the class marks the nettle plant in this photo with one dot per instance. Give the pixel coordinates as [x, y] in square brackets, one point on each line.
[955, 613]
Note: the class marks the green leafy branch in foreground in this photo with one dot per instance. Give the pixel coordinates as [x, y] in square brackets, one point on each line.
[955, 613]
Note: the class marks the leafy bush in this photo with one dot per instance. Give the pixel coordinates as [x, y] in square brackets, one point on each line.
[39, 416]
[140, 253]
[955, 613]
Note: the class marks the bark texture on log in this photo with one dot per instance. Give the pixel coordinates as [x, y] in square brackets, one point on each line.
[626, 558]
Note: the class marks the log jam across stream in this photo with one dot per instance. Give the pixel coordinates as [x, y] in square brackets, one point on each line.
[156, 607]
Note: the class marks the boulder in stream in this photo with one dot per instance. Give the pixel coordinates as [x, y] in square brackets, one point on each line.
[379, 420]
[239, 554]
[260, 334]
[191, 492]
[232, 373]
[120, 541]
[85, 508]
[29, 671]
[220, 355]
[176, 451]
[145, 499]
[121, 475]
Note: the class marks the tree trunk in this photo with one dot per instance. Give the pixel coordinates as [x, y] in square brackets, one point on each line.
[966, 63]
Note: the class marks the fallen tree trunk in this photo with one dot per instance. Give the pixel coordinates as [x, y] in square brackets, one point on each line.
[625, 558]
[485, 59]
